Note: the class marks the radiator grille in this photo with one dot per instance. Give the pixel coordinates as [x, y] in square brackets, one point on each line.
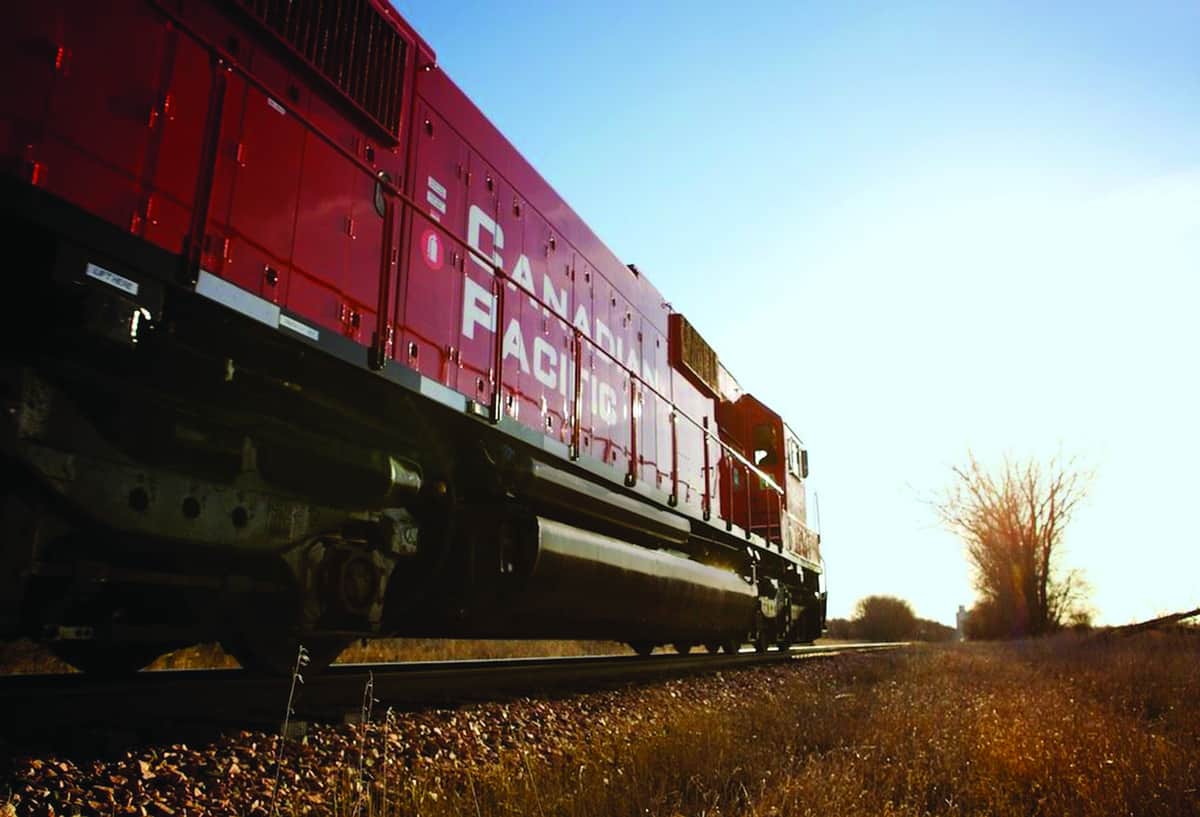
[349, 42]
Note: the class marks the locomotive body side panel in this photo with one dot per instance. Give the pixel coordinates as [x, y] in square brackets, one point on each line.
[84, 132]
[516, 221]
[436, 270]
[181, 118]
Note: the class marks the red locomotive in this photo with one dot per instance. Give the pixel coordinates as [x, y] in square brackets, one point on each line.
[303, 350]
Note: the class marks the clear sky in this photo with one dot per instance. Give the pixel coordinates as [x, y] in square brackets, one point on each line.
[913, 229]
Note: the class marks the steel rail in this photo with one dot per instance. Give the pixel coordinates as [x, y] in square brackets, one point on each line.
[235, 697]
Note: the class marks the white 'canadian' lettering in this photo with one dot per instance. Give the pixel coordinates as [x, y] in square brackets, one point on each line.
[552, 367]
[477, 221]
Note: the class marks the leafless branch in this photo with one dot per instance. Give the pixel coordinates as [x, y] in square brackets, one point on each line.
[1012, 523]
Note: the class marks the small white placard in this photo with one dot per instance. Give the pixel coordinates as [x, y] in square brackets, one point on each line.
[276, 106]
[112, 279]
[432, 198]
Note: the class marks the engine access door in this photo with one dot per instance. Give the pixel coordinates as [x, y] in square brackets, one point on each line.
[432, 279]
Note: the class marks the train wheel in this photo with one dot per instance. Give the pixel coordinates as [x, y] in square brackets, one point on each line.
[810, 626]
[642, 648]
[784, 631]
[107, 660]
[761, 637]
[683, 647]
[712, 647]
[733, 646]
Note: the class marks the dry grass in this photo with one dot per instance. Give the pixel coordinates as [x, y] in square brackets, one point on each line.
[408, 649]
[451, 649]
[24, 656]
[1070, 726]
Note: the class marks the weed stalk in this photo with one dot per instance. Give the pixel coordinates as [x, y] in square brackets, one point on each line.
[297, 678]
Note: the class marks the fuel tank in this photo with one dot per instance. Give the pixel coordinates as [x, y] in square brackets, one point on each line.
[566, 582]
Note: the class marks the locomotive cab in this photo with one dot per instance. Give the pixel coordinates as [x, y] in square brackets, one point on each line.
[755, 480]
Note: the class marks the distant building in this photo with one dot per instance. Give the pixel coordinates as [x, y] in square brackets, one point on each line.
[961, 623]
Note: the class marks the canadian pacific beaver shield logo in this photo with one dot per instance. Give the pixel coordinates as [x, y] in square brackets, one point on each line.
[433, 249]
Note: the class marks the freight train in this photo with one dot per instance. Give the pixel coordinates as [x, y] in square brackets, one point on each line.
[298, 349]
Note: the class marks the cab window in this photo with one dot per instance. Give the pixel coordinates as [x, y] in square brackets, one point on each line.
[766, 446]
[797, 461]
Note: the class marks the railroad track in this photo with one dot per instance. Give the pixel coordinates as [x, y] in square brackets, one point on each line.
[240, 698]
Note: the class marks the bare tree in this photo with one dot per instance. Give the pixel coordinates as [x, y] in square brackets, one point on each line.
[1012, 523]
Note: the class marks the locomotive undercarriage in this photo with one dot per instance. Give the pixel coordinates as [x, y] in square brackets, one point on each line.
[177, 473]
[116, 545]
